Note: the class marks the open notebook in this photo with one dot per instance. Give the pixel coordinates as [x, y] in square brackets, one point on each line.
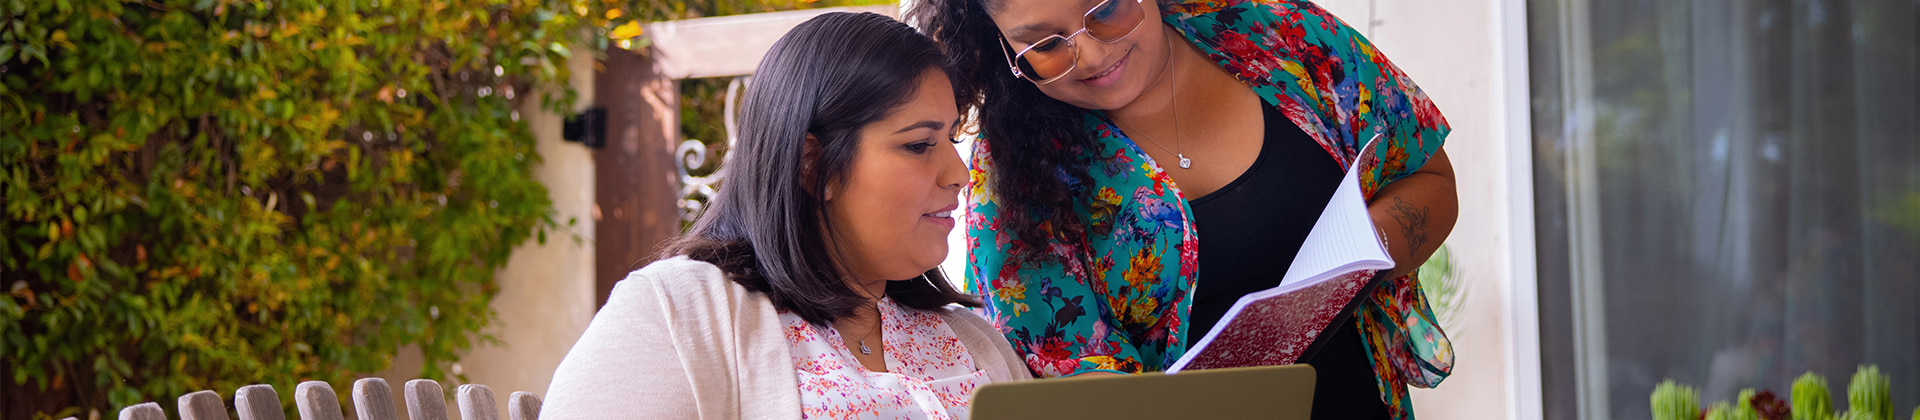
[1275, 326]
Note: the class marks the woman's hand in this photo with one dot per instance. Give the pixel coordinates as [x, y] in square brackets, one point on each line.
[1416, 213]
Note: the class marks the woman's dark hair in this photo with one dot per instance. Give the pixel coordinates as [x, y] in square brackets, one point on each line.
[1037, 144]
[828, 77]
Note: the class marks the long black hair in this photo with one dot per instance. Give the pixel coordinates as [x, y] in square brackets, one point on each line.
[765, 226]
[1037, 144]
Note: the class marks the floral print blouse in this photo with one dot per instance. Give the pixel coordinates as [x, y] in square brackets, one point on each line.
[929, 373]
[1116, 299]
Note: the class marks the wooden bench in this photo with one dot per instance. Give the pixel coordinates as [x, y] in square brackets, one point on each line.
[372, 400]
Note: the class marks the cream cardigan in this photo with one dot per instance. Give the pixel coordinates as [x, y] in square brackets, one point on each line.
[677, 339]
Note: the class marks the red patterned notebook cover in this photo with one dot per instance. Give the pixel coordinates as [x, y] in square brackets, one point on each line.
[1275, 326]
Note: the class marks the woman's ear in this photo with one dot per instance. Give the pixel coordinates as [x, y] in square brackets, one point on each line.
[809, 159]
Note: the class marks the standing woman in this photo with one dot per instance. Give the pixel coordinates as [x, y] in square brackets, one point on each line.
[1144, 165]
[810, 287]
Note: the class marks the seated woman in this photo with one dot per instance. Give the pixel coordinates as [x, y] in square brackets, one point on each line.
[810, 286]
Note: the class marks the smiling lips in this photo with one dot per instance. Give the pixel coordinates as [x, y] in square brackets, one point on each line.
[944, 217]
[1111, 74]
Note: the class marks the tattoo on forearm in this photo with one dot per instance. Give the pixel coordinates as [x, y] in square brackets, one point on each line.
[1413, 223]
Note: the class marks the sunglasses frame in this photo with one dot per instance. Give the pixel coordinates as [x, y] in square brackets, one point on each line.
[1013, 58]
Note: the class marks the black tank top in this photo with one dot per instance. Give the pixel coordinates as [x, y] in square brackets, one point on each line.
[1250, 230]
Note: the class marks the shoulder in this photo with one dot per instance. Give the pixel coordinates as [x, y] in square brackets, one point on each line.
[680, 285]
[990, 349]
[671, 273]
[959, 317]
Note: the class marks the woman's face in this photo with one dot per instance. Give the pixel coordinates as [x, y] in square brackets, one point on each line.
[1106, 76]
[891, 213]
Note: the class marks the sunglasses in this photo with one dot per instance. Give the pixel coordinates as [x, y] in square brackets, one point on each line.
[1054, 56]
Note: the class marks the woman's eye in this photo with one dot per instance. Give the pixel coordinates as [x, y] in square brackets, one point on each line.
[1106, 10]
[1048, 45]
[920, 147]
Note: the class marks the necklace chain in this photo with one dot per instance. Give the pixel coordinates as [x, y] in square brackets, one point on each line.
[877, 324]
[1175, 99]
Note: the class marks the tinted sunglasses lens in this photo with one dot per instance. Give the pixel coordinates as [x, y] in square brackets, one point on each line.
[1114, 19]
[1048, 59]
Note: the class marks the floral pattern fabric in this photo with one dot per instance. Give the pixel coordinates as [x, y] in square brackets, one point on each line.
[929, 373]
[1114, 296]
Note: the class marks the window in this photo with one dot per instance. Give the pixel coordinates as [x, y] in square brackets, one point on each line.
[1727, 193]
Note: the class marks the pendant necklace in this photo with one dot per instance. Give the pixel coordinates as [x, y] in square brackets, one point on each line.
[876, 329]
[1180, 153]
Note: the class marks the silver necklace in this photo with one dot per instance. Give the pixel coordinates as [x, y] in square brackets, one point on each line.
[876, 328]
[1181, 153]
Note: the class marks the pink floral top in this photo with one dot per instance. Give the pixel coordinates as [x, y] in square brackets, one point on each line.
[929, 373]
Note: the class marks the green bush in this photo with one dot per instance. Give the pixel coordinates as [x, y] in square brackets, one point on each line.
[203, 194]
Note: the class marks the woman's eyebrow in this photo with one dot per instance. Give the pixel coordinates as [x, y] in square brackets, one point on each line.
[1024, 31]
[935, 125]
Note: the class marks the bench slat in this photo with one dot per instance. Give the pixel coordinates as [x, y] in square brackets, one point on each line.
[373, 400]
[316, 401]
[476, 403]
[426, 400]
[258, 402]
[523, 405]
[143, 411]
[203, 405]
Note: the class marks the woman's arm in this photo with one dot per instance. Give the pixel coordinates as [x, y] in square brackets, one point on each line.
[1049, 316]
[1416, 213]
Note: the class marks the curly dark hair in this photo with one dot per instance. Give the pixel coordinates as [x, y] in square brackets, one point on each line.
[1037, 143]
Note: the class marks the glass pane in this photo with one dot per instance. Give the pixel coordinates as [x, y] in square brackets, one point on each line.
[1755, 191]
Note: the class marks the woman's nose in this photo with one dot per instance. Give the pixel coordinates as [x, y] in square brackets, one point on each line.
[953, 171]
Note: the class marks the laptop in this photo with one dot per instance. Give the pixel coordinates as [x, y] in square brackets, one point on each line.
[1267, 392]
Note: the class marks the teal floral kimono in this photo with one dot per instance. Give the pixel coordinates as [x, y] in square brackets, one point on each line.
[1117, 300]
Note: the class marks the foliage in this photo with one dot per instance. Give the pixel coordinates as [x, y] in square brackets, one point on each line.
[1869, 393]
[1869, 398]
[1811, 398]
[1446, 290]
[202, 194]
[1672, 401]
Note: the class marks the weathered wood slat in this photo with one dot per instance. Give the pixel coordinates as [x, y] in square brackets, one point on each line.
[426, 400]
[476, 403]
[316, 401]
[730, 45]
[258, 402]
[523, 405]
[203, 405]
[143, 411]
[373, 400]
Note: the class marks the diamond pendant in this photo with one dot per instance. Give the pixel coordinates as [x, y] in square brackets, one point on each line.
[864, 349]
[1184, 162]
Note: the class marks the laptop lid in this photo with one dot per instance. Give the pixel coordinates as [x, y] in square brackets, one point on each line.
[1267, 392]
